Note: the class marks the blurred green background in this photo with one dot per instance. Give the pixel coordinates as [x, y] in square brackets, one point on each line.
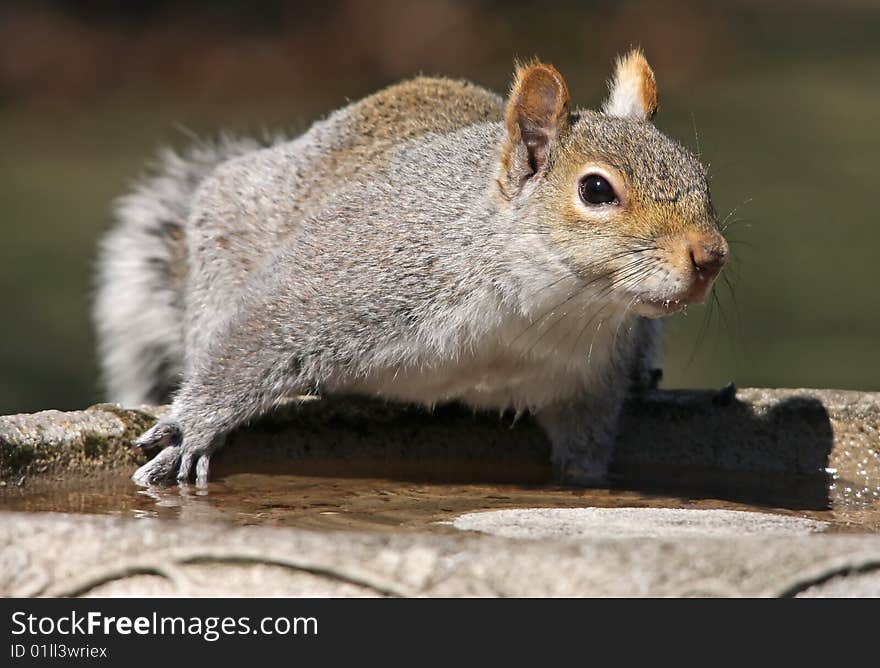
[782, 98]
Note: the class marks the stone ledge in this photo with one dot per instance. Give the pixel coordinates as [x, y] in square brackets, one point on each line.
[829, 440]
[104, 556]
[667, 436]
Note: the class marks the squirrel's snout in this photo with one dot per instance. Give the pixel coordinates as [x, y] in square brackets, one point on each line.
[692, 263]
[708, 256]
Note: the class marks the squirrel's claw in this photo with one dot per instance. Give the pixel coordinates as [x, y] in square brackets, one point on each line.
[173, 462]
[160, 468]
[160, 435]
[176, 460]
[194, 459]
[202, 468]
[164, 465]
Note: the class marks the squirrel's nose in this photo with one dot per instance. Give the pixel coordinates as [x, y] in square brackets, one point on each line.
[708, 255]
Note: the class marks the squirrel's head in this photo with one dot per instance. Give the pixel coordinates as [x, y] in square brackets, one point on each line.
[626, 207]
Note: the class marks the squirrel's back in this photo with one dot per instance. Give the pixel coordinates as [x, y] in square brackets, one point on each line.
[140, 306]
[410, 109]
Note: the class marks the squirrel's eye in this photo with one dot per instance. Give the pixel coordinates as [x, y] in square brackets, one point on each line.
[595, 189]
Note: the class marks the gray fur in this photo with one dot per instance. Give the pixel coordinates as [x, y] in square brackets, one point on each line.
[376, 255]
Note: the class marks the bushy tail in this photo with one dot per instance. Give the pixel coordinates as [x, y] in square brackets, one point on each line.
[142, 269]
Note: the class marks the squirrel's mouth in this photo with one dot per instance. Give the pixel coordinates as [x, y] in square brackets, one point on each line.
[651, 306]
[685, 276]
[658, 308]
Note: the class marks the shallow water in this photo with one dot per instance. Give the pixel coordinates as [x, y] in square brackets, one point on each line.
[352, 503]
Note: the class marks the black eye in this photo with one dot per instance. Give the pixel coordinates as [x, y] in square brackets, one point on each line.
[595, 189]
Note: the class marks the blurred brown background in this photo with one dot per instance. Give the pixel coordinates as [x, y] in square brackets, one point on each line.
[781, 98]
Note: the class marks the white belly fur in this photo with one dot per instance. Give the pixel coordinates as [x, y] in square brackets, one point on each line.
[519, 364]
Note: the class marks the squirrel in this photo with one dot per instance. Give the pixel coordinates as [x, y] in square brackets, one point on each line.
[433, 242]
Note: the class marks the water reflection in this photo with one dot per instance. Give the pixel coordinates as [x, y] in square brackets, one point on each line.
[324, 502]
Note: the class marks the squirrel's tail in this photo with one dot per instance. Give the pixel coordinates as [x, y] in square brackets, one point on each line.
[142, 269]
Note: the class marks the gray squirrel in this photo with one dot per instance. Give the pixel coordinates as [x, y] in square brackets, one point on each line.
[430, 243]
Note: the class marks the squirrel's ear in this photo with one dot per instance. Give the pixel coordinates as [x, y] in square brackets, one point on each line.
[633, 89]
[537, 116]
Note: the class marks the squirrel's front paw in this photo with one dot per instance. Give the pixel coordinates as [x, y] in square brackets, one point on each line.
[582, 472]
[161, 468]
[181, 456]
[645, 380]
